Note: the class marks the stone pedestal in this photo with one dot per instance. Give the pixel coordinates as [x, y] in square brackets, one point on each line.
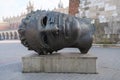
[60, 62]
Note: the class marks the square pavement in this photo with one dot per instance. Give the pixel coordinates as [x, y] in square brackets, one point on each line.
[108, 65]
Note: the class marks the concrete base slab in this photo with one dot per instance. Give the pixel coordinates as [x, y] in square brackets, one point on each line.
[60, 62]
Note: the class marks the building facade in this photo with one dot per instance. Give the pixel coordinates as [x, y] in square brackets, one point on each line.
[9, 31]
[61, 9]
[102, 9]
[107, 12]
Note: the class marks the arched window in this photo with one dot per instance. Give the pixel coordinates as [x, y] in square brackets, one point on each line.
[11, 35]
[7, 35]
[15, 35]
[0, 36]
[3, 36]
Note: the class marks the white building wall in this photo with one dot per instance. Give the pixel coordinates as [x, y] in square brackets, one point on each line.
[104, 10]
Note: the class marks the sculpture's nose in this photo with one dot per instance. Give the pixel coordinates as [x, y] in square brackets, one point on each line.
[51, 28]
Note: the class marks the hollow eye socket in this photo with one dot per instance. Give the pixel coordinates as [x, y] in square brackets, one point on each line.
[44, 21]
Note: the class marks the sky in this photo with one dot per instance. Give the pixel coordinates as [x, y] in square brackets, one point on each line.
[16, 7]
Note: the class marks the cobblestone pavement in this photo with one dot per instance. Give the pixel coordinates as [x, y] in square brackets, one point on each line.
[108, 65]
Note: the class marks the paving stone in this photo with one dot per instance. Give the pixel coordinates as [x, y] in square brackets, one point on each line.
[108, 65]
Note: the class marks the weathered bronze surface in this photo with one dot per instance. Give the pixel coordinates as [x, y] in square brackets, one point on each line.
[48, 31]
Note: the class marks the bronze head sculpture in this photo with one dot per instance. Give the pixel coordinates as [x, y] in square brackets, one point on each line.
[48, 31]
